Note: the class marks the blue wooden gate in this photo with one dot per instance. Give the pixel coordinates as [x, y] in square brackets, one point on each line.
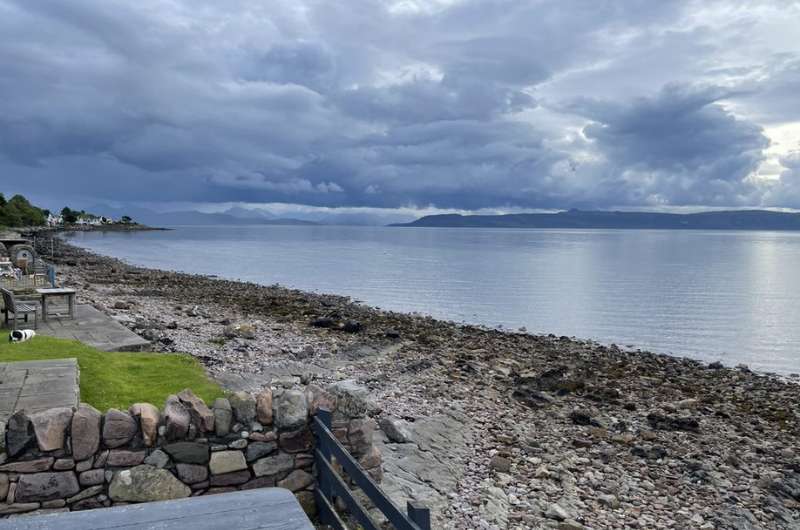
[331, 486]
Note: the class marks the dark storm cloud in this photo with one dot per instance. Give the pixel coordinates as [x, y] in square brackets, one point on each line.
[462, 104]
[680, 147]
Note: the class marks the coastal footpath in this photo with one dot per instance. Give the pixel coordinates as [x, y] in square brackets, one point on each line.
[492, 429]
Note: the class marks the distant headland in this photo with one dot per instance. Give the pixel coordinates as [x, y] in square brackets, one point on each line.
[717, 220]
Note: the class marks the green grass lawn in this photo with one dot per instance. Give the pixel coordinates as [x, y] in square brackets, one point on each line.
[118, 380]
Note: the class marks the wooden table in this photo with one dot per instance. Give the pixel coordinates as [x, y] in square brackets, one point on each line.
[60, 291]
[258, 509]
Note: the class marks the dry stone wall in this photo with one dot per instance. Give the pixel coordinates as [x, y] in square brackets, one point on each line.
[75, 459]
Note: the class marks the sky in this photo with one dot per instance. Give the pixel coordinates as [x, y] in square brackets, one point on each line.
[401, 105]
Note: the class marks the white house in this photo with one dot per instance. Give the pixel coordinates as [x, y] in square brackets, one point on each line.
[54, 220]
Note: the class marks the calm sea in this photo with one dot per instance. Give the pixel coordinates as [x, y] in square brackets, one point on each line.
[729, 296]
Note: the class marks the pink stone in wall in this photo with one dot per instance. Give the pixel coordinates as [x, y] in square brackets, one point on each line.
[148, 417]
[264, 407]
[50, 427]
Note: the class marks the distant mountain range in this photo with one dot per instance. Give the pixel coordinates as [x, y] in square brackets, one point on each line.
[718, 220]
[194, 218]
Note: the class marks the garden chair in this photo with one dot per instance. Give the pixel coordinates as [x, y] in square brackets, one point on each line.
[19, 309]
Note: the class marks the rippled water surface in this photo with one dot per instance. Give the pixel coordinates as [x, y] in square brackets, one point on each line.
[732, 296]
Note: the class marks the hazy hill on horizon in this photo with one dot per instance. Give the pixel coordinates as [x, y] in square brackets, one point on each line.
[194, 218]
[713, 220]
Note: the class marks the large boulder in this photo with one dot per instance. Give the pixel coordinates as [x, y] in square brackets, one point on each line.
[291, 410]
[176, 419]
[119, 428]
[19, 434]
[50, 427]
[264, 407]
[200, 414]
[148, 417]
[41, 487]
[244, 407]
[85, 432]
[223, 416]
[146, 484]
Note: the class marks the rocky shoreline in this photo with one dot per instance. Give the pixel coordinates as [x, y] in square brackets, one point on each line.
[493, 429]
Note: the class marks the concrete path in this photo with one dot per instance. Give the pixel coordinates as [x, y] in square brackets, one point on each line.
[94, 328]
[35, 386]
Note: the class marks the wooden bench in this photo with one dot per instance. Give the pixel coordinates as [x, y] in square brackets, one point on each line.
[18, 309]
[258, 509]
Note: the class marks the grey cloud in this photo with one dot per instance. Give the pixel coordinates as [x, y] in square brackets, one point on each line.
[356, 104]
[679, 147]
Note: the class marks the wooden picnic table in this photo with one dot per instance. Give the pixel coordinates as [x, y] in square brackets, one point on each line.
[258, 509]
[46, 293]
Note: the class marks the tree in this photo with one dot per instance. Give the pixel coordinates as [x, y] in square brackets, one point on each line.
[17, 211]
[126, 220]
[69, 215]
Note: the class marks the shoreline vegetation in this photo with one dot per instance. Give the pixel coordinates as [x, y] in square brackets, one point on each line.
[492, 429]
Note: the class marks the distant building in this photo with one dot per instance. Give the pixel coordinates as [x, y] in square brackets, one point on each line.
[54, 220]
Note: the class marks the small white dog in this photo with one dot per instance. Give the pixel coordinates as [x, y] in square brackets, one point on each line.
[21, 335]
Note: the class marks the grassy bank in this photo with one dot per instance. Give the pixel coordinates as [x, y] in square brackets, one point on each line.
[119, 379]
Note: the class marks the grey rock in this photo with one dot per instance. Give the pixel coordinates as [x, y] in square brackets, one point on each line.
[223, 416]
[124, 458]
[85, 494]
[85, 432]
[29, 466]
[352, 399]
[291, 410]
[64, 464]
[40, 487]
[188, 452]
[19, 434]
[10, 509]
[234, 478]
[192, 473]
[227, 462]
[146, 484]
[157, 458]
[272, 465]
[244, 407]
[258, 450]
[557, 512]
[92, 477]
[395, 430]
[241, 443]
[296, 481]
[119, 428]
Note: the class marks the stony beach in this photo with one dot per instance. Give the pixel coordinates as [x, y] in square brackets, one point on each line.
[492, 429]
